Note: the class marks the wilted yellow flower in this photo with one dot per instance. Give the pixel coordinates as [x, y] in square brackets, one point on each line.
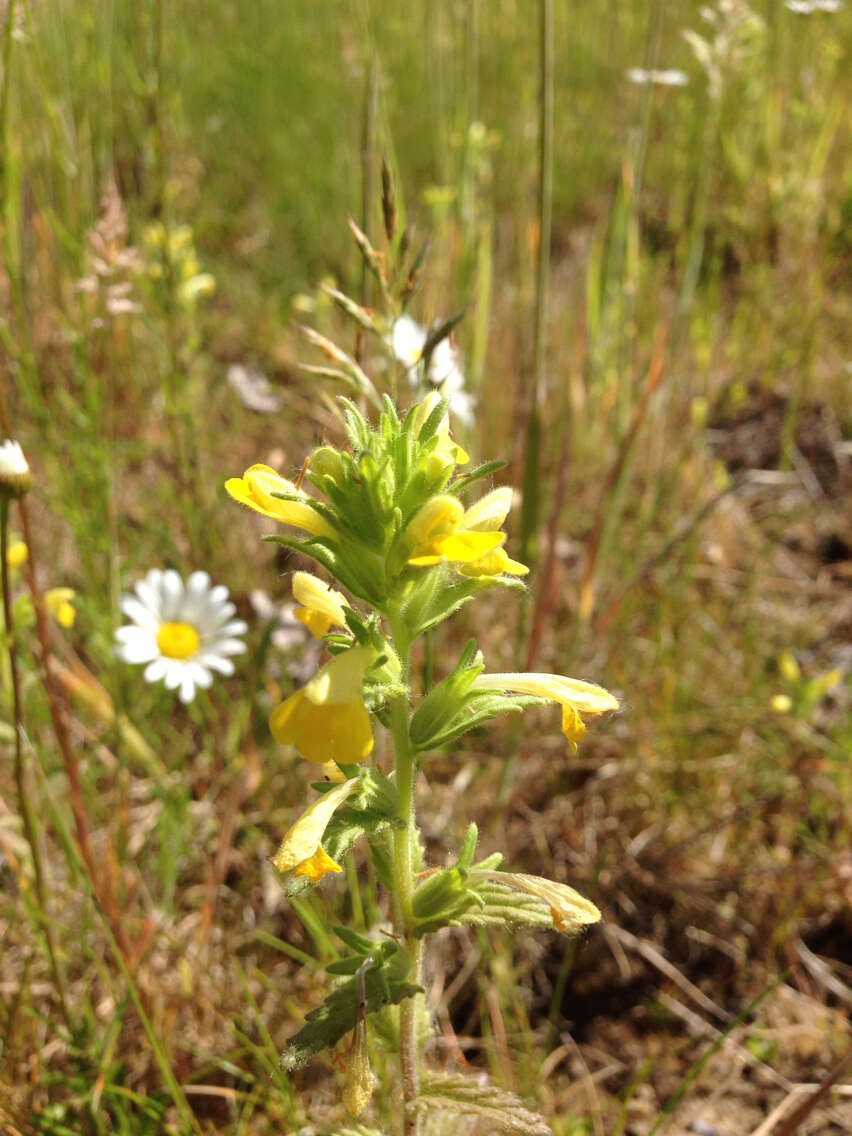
[17, 554]
[360, 1081]
[327, 720]
[59, 602]
[436, 534]
[301, 851]
[322, 605]
[256, 488]
[575, 696]
[569, 910]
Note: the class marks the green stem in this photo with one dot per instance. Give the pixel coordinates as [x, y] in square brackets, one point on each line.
[28, 815]
[404, 842]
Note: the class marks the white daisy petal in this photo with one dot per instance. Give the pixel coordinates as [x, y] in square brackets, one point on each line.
[135, 645]
[235, 627]
[148, 589]
[156, 670]
[173, 593]
[174, 674]
[217, 663]
[187, 689]
[230, 646]
[138, 613]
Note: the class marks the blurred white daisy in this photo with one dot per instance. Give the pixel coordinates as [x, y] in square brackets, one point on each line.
[183, 631]
[806, 7]
[407, 340]
[670, 77]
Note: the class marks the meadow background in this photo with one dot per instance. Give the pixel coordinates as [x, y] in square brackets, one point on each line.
[677, 399]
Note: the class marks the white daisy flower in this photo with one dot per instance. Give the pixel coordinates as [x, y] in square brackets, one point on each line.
[407, 340]
[183, 631]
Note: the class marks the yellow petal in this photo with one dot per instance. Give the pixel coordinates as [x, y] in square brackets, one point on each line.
[573, 726]
[317, 866]
[323, 606]
[439, 516]
[302, 841]
[256, 488]
[341, 678]
[489, 512]
[16, 554]
[317, 623]
[327, 720]
[494, 563]
[58, 602]
[458, 547]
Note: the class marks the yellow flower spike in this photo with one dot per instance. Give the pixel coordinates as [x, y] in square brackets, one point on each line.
[327, 720]
[435, 536]
[301, 851]
[322, 606]
[58, 602]
[17, 554]
[256, 488]
[575, 696]
[569, 910]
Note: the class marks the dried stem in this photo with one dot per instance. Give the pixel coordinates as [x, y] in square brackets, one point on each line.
[25, 805]
[103, 882]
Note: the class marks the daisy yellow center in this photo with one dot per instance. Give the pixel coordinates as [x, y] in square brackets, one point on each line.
[177, 640]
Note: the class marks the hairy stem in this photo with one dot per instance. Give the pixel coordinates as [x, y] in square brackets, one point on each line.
[404, 842]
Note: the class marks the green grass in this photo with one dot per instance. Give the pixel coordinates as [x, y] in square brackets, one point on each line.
[712, 233]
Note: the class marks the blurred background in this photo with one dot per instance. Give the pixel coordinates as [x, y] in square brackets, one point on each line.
[644, 211]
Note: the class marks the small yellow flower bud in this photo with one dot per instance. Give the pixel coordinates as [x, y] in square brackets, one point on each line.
[17, 554]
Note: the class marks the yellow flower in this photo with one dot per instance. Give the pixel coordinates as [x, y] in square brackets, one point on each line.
[788, 666]
[436, 534]
[447, 452]
[59, 602]
[327, 720]
[569, 910]
[16, 554]
[781, 703]
[575, 696]
[256, 488]
[322, 605]
[301, 851]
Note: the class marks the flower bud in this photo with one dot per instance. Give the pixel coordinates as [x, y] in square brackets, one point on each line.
[15, 476]
[359, 1082]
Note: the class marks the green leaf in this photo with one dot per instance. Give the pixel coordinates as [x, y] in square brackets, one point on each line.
[485, 470]
[479, 707]
[384, 984]
[477, 1097]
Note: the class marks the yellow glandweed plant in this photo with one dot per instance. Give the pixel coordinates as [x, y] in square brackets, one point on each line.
[393, 522]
